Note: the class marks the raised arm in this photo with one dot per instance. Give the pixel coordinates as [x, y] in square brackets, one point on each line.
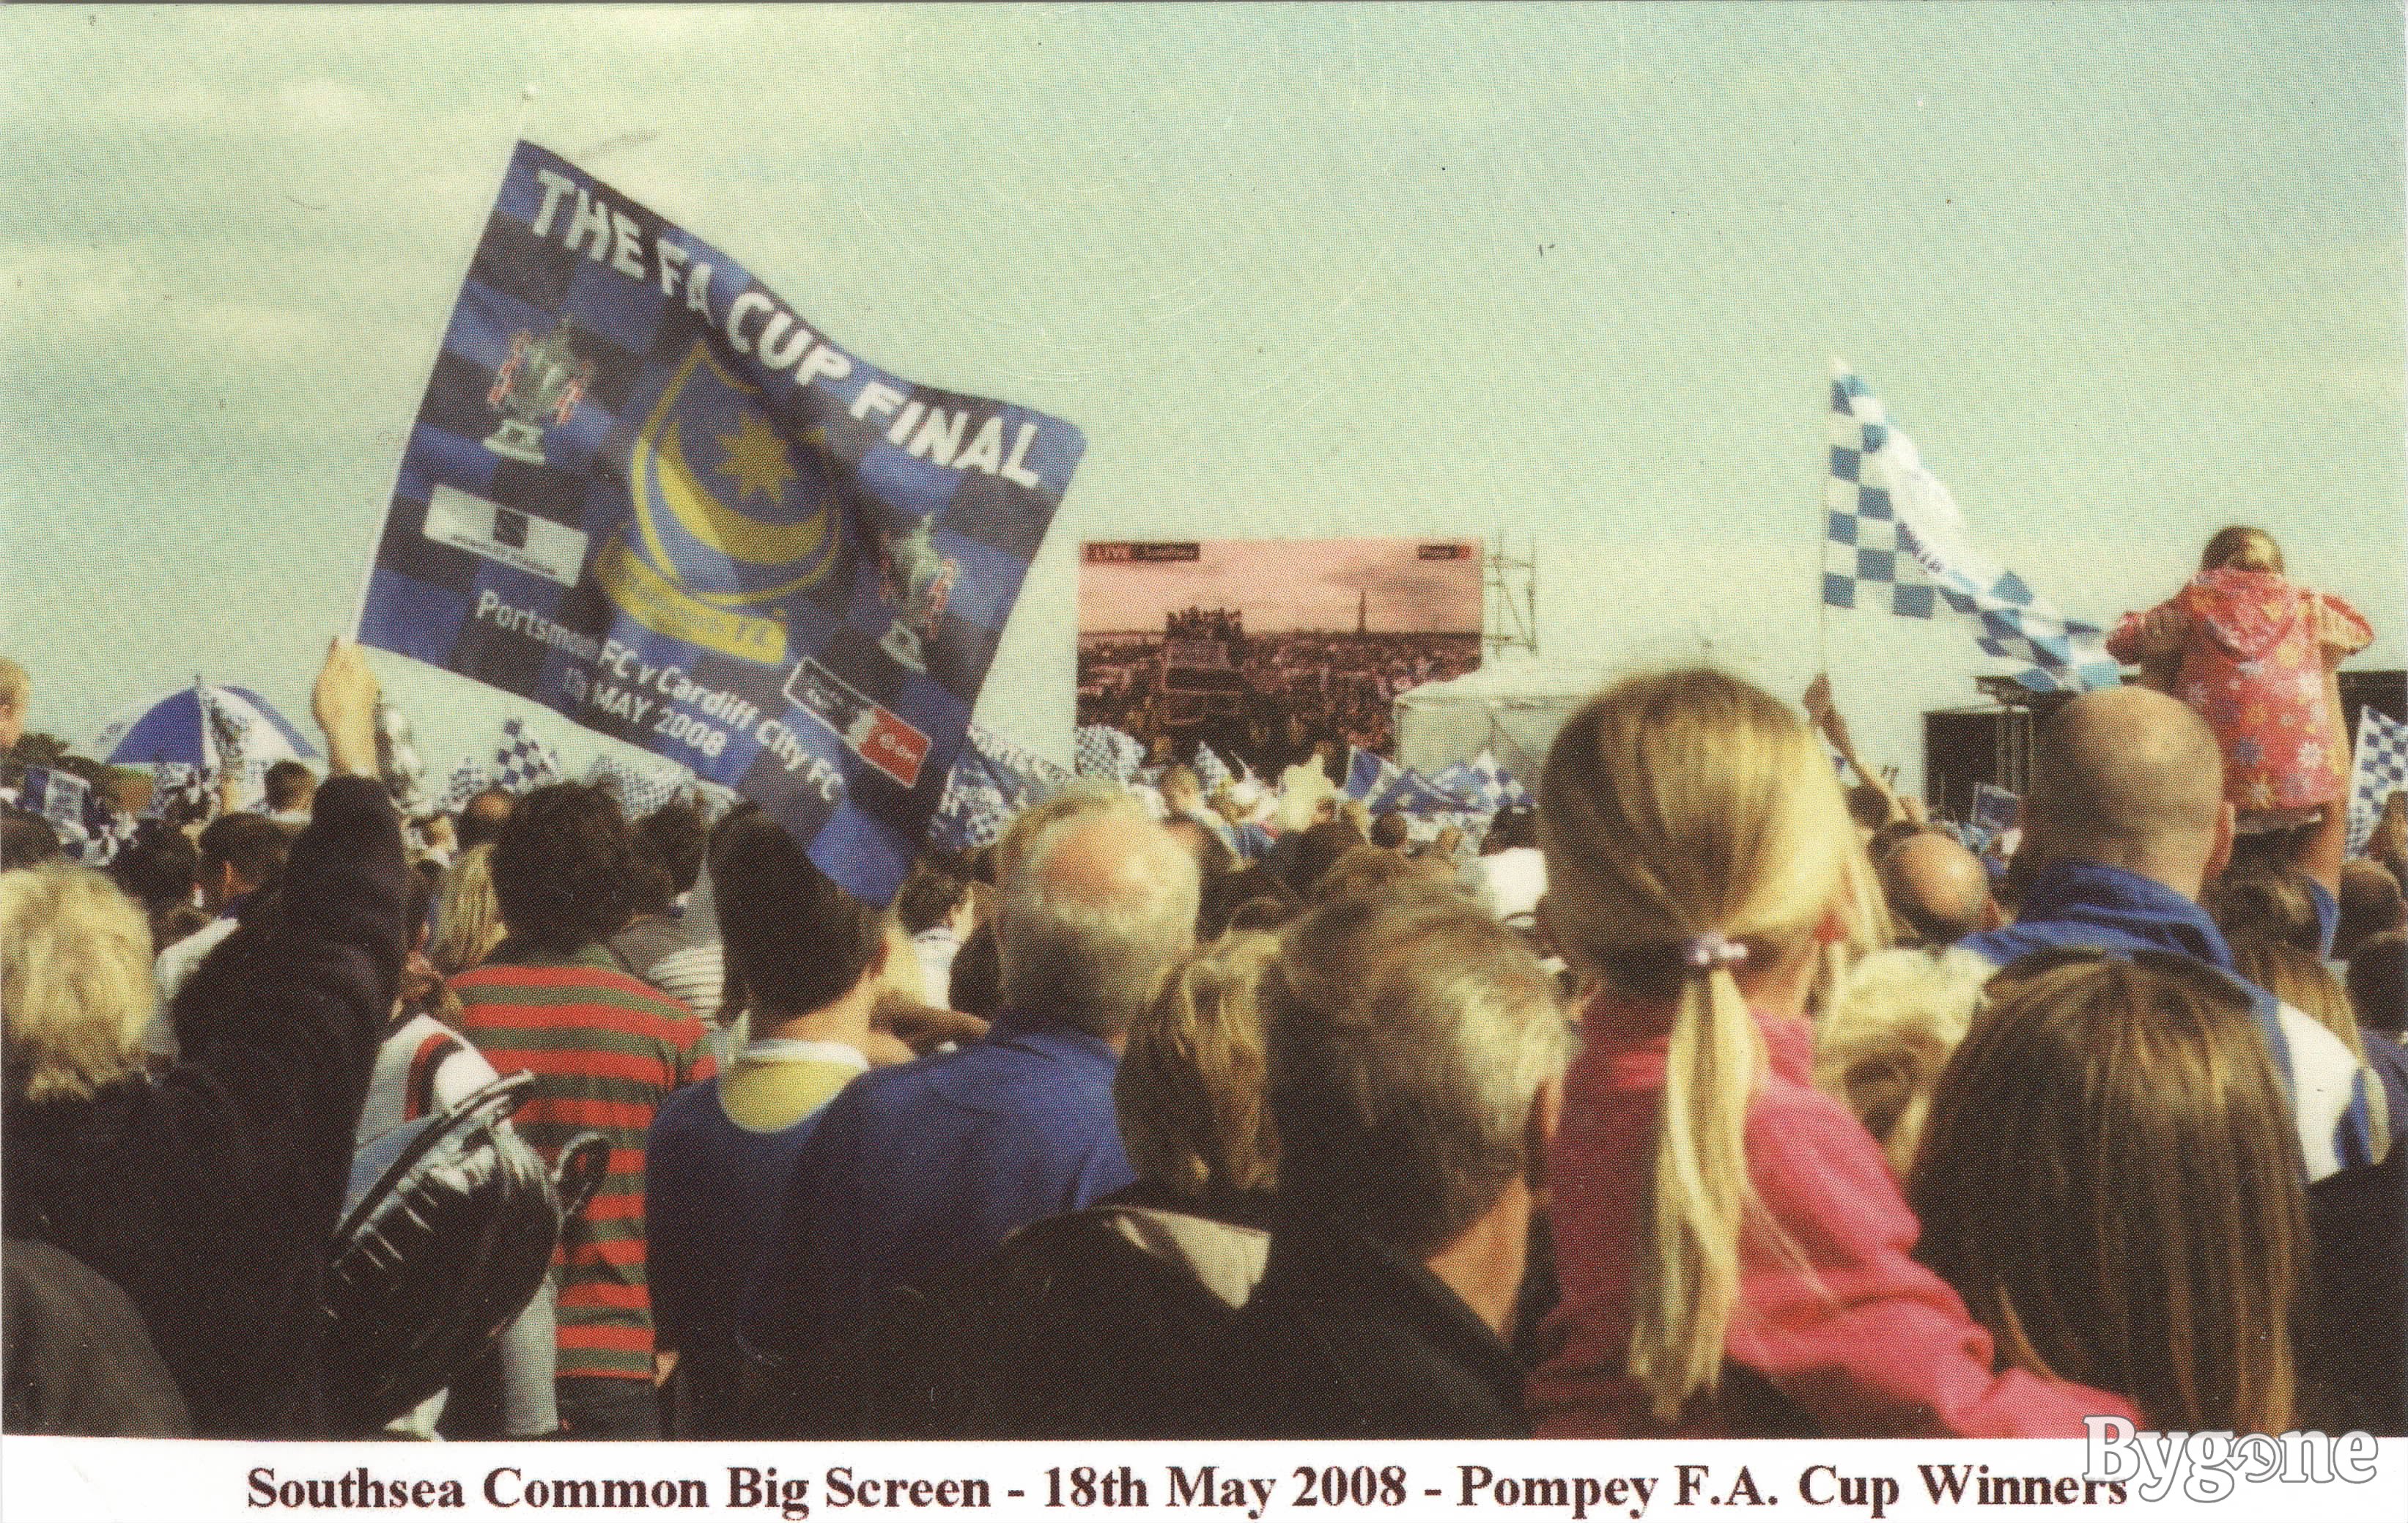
[283, 1020]
[1825, 715]
[2318, 850]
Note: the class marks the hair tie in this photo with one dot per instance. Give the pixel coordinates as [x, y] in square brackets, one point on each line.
[1711, 951]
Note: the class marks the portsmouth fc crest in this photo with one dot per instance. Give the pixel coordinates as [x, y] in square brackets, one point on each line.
[542, 381]
[917, 582]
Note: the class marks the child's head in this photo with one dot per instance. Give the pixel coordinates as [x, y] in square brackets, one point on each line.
[2241, 547]
[2108, 1178]
[1693, 833]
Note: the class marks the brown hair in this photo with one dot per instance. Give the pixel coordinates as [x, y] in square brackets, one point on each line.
[2275, 902]
[2110, 1180]
[1189, 1092]
[2299, 978]
[2241, 548]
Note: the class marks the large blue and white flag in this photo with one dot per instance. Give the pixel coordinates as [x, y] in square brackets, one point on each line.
[1484, 786]
[644, 491]
[2378, 769]
[1368, 773]
[1894, 540]
[1410, 792]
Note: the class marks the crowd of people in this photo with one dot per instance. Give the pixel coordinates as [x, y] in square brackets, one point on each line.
[1305, 695]
[1705, 1099]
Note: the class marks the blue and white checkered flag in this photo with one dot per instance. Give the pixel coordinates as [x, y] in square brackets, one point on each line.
[176, 783]
[1025, 777]
[2378, 769]
[641, 790]
[1368, 773]
[1211, 770]
[973, 813]
[1105, 751]
[992, 780]
[1895, 540]
[521, 762]
[469, 779]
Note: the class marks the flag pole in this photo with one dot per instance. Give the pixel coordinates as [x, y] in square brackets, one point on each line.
[1822, 534]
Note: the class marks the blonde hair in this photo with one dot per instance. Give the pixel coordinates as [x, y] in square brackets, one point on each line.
[1674, 806]
[1189, 1092]
[14, 684]
[1887, 1033]
[467, 914]
[2241, 548]
[2110, 1180]
[74, 981]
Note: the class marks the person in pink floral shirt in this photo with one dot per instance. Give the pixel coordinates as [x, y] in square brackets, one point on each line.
[2255, 653]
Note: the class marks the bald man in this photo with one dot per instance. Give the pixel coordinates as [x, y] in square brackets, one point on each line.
[1936, 890]
[918, 1168]
[2126, 821]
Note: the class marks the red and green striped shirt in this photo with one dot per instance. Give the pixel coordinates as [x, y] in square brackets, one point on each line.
[606, 1049]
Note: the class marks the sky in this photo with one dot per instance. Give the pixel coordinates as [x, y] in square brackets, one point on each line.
[1283, 584]
[2125, 274]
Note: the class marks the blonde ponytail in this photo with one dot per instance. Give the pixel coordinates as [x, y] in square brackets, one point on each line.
[1690, 823]
[1688, 1275]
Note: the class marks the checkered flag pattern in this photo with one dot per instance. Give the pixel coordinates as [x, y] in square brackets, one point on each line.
[1211, 770]
[469, 779]
[1105, 751]
[2379, 769]
[992, 780]
[640, 790]
[398, 766]
[176, 783]
[521, 762]
[1894, 541]
[973, 813]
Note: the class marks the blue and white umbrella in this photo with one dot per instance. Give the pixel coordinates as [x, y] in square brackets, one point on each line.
[187, 728]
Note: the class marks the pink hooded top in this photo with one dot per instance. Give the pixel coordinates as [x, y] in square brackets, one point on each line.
[1871, 1345]
[2254, 669]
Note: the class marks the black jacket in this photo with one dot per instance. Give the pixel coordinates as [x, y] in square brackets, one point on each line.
[1345, 1338]
[1087, 1325]
[210, 1195]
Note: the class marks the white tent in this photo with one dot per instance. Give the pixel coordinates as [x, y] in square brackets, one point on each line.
[1511, 706]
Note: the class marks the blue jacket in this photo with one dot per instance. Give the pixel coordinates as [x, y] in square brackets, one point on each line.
[2090, 904]
[920, 1167]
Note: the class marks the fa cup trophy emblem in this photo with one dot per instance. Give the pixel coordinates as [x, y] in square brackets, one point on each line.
[917, 580]
[543, 379]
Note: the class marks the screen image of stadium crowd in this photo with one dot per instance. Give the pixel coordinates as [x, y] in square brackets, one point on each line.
[1271, 651]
